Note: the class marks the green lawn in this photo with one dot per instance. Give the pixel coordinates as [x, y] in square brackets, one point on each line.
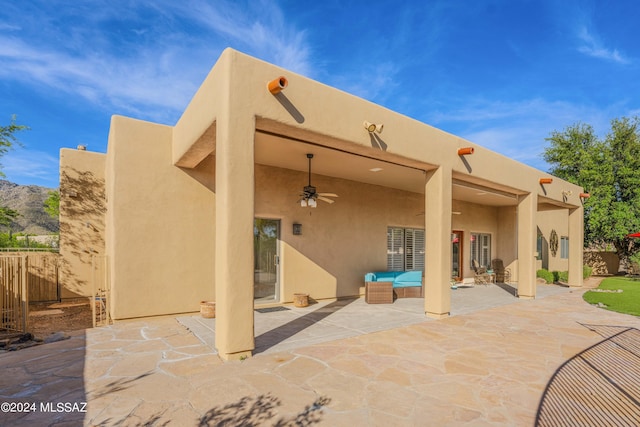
[628, 301]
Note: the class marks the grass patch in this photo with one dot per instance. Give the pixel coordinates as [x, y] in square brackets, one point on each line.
[627, 301]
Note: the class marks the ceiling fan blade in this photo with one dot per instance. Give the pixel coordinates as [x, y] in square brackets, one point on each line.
[328, 194]
[324, 199]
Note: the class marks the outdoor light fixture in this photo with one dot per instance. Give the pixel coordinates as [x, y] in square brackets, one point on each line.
[297, 229]
[372, 127]
[276, 85]
[546, 181]
[464, 151]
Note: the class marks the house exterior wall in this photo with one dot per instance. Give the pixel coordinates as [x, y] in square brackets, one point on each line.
[160, 232]
[547, 222]
[339, 242]
[181, 201]
[82, 220]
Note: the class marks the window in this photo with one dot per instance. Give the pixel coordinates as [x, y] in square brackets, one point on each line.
[539, 243]
[405, 249]
[481, 249]
[564, 247]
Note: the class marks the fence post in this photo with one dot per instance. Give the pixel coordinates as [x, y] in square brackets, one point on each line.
[25, 294]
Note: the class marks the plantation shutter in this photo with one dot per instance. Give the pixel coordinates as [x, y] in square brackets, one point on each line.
[414, 259]
[395, 252]
[481, 249]
[486, 250]
[405, 249]
[474, 249]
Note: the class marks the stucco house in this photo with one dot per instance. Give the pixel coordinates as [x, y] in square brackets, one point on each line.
[215, 207]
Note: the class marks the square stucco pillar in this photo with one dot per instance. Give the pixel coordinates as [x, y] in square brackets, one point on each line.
[576, 243]
[234, 237]
[437, 199]
[527, 208]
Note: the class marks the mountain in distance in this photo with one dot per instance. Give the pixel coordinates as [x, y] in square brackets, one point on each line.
[28, 200]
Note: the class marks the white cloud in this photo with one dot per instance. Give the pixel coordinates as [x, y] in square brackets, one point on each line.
[154, 78]
[259, 27]
[31, 167]
[592, 46]
[518, 129]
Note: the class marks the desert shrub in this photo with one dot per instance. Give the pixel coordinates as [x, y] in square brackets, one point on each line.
[563, 276]
[586, 271]
[545, 274]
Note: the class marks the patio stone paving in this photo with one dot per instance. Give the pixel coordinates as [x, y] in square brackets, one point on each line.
[482, 366]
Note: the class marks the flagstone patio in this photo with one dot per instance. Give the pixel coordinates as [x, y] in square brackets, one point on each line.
[489, 366]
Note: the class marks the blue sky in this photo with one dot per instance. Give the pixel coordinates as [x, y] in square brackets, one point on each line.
[503, 74]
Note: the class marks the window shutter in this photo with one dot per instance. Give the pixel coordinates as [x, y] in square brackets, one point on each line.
[418, 250]
[474, 248]
[409, 249]
[395, 254]
[405, 249]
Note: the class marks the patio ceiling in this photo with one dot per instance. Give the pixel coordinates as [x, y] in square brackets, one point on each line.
[290, 153]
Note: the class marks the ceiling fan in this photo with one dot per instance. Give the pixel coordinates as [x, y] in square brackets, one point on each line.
[309, 194]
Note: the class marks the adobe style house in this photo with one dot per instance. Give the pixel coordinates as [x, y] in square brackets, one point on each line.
[214, 208]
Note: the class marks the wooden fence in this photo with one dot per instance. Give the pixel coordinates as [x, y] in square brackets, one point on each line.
[14, 298]
[42, 280]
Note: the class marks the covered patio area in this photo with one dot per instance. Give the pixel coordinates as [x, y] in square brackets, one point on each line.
[287, 327]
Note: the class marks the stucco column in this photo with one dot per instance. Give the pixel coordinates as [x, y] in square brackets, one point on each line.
[234, 236]
[527, 208]
[437, 200]
[576, 244]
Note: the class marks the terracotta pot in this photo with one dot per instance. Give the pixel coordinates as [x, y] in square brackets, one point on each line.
[208, 309]
[301, 300]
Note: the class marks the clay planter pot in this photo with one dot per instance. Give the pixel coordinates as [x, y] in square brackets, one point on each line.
[301, 300]
[208, 309]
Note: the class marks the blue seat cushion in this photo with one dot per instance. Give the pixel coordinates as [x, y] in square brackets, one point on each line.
[381, 276]
[409, 276]
[406, 284]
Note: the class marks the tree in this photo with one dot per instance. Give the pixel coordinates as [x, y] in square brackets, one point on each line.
[609, 170]
[52, 204]
[7, 216]
[8, 137]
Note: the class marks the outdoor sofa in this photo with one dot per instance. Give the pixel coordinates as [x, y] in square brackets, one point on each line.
[384, 286]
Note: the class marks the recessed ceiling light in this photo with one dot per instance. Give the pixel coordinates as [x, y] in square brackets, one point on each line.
[375, 169]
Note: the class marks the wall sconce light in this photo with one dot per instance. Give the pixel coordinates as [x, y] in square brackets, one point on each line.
[585, 195]
[546, 181]
[297, 229]
[276, 85]
[465, 150]
[372, 127]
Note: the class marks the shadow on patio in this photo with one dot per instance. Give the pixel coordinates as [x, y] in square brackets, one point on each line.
[277, 335]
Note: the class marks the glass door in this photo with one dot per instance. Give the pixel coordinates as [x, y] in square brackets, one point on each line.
[456, 255]
[266, 233]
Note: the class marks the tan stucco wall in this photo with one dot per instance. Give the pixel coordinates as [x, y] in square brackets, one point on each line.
[82, 220]
[339, 242]
[554, 220]
[161, 228]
